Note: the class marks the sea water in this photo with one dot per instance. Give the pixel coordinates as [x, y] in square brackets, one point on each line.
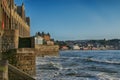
[80, 65]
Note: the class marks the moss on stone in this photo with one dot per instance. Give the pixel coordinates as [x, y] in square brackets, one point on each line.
[2, 68]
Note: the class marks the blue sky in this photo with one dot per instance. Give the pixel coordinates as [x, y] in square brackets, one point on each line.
[74, 19]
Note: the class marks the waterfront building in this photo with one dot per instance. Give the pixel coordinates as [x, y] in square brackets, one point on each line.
[64, 48]
[50, 43]
[76, 47]
[38, 40]
[46, 37]
[14, 22]
[43, 38]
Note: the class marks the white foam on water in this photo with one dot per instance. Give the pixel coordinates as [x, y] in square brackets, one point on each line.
[103, 61]
[66, 66]
[104, 76]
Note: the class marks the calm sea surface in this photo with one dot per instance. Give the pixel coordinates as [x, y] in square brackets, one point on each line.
[80, 65]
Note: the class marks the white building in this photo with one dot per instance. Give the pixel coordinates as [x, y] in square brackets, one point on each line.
[38, 40]
[50, 43]
[76, 47]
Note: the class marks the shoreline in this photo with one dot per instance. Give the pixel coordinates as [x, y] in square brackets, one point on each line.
[92, 50]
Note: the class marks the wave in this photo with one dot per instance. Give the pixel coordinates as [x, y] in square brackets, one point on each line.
[90, 59]
[49, 66]
[101, 61]
[104, 76]
[101, 69]
[81, 74]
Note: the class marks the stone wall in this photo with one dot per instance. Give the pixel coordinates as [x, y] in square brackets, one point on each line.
[3, 70]
[9, 72]
[10, 39]
[26, 60]
[23, 59]
[16, 74]
[47, 50]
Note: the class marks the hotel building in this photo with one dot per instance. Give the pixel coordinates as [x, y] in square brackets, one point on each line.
[13, 23]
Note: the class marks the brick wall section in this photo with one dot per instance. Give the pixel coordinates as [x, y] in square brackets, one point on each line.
[3, 70]
[26, 60]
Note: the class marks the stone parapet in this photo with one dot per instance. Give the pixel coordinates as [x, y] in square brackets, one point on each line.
[47, 47]
[46, 50]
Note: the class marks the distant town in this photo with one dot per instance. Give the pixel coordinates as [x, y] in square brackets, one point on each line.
[103, 44]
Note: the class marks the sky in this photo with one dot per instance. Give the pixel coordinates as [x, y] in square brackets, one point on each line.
[74, 19]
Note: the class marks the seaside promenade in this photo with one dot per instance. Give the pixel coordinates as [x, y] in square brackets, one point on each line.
[18, 50]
